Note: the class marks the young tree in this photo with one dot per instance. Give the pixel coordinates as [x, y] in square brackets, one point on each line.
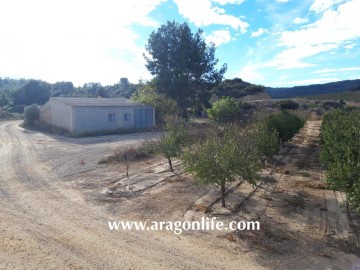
[266, 139]
[172, 139]
[125, 156]
[223, 158]
[285, 124]
[183, 64]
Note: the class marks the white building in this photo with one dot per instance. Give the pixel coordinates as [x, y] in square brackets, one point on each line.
[79, 115]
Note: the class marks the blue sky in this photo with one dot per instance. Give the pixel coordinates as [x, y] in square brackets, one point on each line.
[269, 42]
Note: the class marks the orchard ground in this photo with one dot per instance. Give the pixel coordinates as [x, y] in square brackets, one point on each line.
[56, 200]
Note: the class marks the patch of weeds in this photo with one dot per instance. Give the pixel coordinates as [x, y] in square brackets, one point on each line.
[107, 160]
[135, 153]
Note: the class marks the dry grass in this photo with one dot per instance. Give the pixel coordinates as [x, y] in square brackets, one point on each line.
[268, 239]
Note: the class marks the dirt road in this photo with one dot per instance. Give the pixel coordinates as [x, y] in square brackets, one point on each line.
[46, 225]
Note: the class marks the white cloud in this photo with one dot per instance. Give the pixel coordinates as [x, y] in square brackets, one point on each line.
[292, 58]
[305, 82]
[350, 45]
[203, 13]
[250, 74]
[225, 2]
[322, 5]
[259, 32]
[299, 20]
[334, 28]
[219, 37]
[219, 10]
[79, 41]
[282, 1]
[335, 70]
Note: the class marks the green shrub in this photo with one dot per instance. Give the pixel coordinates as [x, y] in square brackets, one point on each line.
[286, 125]
[31, 114]
[223, 157]
[247, 106]
[224, 108]
[287, 105]
[171, 141]
[340, 152]
[266, 138]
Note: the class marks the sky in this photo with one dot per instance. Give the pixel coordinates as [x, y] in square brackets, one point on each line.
[275, 43]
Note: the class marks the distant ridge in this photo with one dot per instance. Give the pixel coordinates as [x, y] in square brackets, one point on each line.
[314, 89]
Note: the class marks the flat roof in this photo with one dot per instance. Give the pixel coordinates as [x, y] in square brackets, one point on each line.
[97, 102]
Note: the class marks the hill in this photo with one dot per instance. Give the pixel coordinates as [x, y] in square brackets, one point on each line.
[237, 88]
[348, 96]
[315, 89]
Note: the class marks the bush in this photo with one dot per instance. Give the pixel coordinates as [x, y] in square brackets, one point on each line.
[286, 125]
[247, 106]
[287, 105]
[31, 114]
[340, 153]
[163, 105]
[224, 108]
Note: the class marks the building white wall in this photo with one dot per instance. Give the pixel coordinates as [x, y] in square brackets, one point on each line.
[89, 119]
[57, 114]
[60, 115]
[80, 119]
[45, 113]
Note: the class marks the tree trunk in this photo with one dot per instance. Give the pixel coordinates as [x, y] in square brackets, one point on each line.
[223, 194]
[283, 144]
[170, 164]
[127, 170]
[127, 175]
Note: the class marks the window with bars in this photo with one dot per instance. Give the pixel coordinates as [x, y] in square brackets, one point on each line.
[111, 118]
[127, 117]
